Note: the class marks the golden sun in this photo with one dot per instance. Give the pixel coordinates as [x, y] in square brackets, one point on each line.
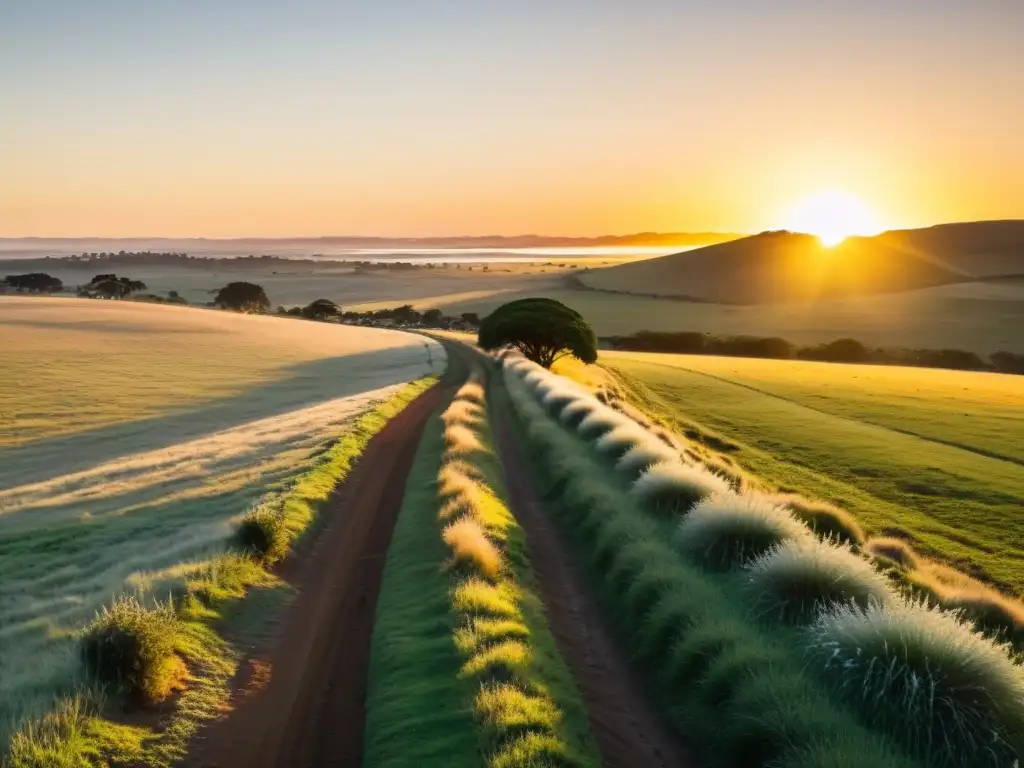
[833, 216]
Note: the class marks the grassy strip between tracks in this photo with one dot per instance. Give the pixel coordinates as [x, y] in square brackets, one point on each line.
[187, 650]
[465, 670]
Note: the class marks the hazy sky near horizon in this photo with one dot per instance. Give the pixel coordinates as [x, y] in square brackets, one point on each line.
[426, 117]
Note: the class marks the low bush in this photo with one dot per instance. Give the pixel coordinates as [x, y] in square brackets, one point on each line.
[672, 488]
[825, 520]
[801, 576]
[131, 648]
[263, 533]
[725, 531]
[895, 551]
[953, 697]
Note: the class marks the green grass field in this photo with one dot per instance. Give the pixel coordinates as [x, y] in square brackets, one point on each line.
[134, 437]
[935, 455]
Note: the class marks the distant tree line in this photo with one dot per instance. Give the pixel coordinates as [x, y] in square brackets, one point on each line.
[404, 316]
[838, 351]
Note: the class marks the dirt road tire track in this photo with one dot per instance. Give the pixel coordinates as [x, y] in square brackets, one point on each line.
[312, 711]
[629, 731]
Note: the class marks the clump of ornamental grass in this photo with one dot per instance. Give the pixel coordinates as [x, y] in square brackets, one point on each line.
[893, 551]
[477, 597]
[506, 710]
[472, 391]
[472, 551]
[790, 722]
[574, 413]
[532, 749]
[464, 412]
[534, 378]
[556, 400]
[797, 578]
[672, 488]
[738, 479]
[992, 613]
[825, 520]
[599, 423]
[726, 530]
[481, 631]
[640, 458]
[615, 444]
[461, 441]
[131, 648]
[263, 533]
[952, 696]
[456, 477]
[226, 576]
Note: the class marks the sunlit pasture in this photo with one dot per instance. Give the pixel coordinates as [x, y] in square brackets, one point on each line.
[133, 436]
[934, 455]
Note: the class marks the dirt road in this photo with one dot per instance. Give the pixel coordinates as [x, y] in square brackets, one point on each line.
[628, 730]
[311, 711]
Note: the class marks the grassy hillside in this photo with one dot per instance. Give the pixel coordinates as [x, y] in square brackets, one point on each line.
[973, 316]
[937, 456]
[980, 248]
[135, 437]
[776, 266]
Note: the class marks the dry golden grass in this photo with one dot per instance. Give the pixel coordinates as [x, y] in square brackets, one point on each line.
[471, 549]
[463, 412]
[461, 441]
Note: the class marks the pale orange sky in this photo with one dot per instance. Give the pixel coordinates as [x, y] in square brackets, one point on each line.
[256, 119]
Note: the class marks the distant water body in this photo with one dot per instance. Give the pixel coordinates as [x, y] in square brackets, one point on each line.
[426, 255]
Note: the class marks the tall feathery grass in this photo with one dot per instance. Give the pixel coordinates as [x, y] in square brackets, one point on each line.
[691, 627]
[798, 578]
[826, 520]
[673, 488]
[727, 530]
[952, 696]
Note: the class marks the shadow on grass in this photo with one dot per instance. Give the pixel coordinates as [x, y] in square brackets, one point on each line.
[299, 386]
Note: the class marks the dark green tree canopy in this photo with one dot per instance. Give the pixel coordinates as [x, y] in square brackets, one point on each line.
[34, 282]
[544, 330]
[321, 309]
[245, 297]
[114, 286]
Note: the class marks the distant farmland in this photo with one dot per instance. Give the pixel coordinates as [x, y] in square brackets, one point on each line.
[133, 436]
[937, 456]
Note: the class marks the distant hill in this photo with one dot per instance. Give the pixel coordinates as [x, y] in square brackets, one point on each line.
[978, 248]
[777, 266]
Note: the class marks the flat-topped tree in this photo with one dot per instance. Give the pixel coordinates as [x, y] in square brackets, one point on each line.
[321, 309]
[544, 330]
[114, 286]
[243, 297]
[34, 282]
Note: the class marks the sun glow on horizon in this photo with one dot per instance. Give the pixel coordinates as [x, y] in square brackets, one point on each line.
[833, 216]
